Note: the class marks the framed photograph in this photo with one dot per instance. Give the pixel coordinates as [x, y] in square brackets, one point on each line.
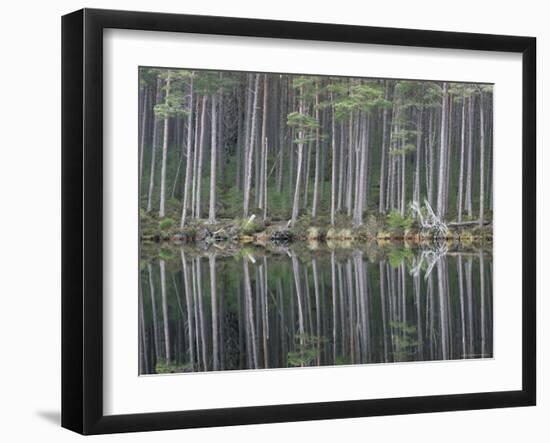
[269, 221]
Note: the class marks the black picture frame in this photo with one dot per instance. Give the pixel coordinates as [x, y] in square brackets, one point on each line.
[82, 215]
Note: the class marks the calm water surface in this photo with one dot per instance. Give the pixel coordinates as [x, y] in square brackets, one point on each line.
[252, 308]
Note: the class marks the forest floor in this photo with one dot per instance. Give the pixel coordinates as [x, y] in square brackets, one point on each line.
[228, 234]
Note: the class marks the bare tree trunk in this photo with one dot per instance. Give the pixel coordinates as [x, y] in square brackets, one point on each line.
[349, 188]
[431, 160]
[296, 202]
[317, 156]
[196, 177]
[403, 180]
[416, 197]
[188, 160]
[442, 155]
[263, 156]
[264, 180]
[153, 150]
[382, 195]
[461, 172]
[250, 150]
[164, 152]
[333, 176]
[200, 156]
[213, 155]
[144, 116]
[341, 167]
[481, 161]
[470, 156]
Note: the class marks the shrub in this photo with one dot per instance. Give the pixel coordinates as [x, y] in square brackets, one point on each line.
[396, 221]
[251, 227]
[166, 223]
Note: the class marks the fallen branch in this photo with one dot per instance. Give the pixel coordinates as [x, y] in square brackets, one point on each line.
[468, 223]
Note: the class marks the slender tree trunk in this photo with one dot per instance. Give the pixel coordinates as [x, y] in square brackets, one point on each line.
[213, 155]
[188, 160]
[431, 160]
[382, 188]
[442, 154]
[200, 157]
[341, 167]
[403, 179]
[470, 156]
[196, 177]
[481, 160]
[418, 156]
[153, 150]
[317, 156]
[333, 176]
[263, 142]
[164, 152]
[144, 116]
[461, 172]
[296, 202]
[349, 189]
[250, 150]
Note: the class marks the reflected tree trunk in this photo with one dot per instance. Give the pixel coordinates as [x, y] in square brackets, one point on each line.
[165, 318]
[215, 320]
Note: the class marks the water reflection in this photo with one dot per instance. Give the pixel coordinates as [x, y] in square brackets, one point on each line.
[249, 308]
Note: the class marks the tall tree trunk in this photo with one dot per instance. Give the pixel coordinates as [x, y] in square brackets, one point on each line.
[349, 189]
[317, 156]
[296, 202]
[470, 156]
[481, 160]
[442, 154]
[263, 141]
[164, 151]
[333, 176]
[188, 160]
[144, 115]
[213, 155]
[418, 156]
[341, 168]
[381, 198]
[461, 171]
[196, 177]
[153, 150]
[250, 150]
[403, 179]
[431, 159]
[200, 157]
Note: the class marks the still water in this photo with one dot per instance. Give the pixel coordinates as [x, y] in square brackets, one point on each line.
[301, 306]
